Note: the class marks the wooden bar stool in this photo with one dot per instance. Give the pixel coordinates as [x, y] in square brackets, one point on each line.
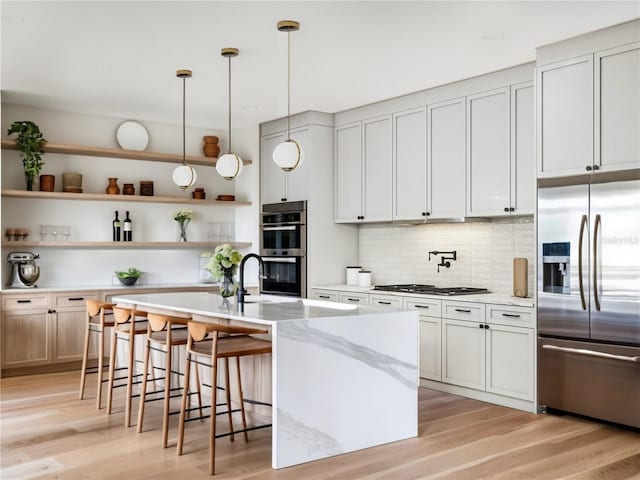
[127, 324]
[205, 341]
[96, 323]
[163, 336]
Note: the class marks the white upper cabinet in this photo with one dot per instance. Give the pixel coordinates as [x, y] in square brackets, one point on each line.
[446, 140]
[488, 153]
[410, 164]
[523, 170]
[276, 184]
[348, 172]
[565, 117]
[377, 157]
[617, 108]
[272, 178]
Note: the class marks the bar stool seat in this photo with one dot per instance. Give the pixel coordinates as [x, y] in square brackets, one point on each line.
[205, 341]
[128, 324]
[99, 317]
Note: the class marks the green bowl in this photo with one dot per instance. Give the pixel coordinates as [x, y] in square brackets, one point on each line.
[128, 280]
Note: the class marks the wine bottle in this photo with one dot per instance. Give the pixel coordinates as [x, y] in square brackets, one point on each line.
[127, 228]
[116, 228]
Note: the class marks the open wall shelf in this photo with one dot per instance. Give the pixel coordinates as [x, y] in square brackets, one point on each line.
[120, 245]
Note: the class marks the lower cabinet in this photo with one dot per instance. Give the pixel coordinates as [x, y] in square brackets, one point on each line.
[490, 357]
[429, 332]
[354, 298]
[25, 338]
[326, 295]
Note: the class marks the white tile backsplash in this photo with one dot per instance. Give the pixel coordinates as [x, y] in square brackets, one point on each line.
[485, 252]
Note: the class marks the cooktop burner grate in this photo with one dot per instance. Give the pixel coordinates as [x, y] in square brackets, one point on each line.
[430, 289]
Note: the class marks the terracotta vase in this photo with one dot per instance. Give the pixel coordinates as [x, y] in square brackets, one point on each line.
[113, 188]
[128, 189]
[47, 183]
[210, 148]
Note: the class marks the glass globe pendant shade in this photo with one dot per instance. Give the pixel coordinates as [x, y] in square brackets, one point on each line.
[288, 155]
[229, 166]
[184, 176]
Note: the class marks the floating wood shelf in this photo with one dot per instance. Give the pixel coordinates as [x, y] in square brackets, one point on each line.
[103, 197]
[49, 147]
[117, 245]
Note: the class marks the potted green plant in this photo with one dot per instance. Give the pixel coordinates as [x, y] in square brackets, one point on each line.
[29, 144]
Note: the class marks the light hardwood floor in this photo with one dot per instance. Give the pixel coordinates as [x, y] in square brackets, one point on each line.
[46, 432]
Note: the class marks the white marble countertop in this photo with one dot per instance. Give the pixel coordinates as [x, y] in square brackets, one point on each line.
[261, 309]
[493, 298]
[110, 287]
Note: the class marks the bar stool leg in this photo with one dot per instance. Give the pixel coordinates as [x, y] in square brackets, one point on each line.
[228, 395]
[101, 366]
[212, 430]
[185, 394]
[198, 389]
[244, 418]
[167, 391]
[83, 371]
[143, 392]
[131, 367]
[112, 368]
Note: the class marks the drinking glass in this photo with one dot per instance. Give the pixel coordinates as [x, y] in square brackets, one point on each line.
[55, 230]
[44, 230]
[66, 231]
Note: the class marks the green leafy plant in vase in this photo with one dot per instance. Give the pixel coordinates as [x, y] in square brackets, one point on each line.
[129, 276]
[223, 266]
[183, 217]
[29, 143]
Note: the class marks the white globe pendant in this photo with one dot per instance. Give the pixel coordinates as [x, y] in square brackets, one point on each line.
[229, 166]
[288, 155]
[184, 176]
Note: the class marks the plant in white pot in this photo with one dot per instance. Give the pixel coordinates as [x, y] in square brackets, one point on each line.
[29, 143]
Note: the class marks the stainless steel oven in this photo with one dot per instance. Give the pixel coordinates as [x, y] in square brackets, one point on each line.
[283, 245]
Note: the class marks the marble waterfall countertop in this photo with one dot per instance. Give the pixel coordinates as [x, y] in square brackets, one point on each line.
[343, 377]
[494, 298]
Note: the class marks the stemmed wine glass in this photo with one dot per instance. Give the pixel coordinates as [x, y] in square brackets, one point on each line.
[44, 229]
[66, 231]
[55, 230]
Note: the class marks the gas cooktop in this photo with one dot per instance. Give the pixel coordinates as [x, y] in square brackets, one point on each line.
[430, 289]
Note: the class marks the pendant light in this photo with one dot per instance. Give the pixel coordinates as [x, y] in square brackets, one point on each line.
[184, 175]
[288, 154]
[229, 165]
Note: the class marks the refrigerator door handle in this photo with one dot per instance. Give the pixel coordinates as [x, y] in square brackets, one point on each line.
[592, 353]
[596, 227]
[583, 223]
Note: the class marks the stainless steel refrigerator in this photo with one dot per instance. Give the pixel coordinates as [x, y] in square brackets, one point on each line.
[589, 297]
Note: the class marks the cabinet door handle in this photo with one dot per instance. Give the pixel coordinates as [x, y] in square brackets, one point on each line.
[75, 299]
[462, 310]
[588, 168]
[481, 326]
[384, 303]
[506, 209]
[486, 326]
[324, 296]
[24, 301]
[353, 299]
[421, 306]
[283, 199]
[512, 315]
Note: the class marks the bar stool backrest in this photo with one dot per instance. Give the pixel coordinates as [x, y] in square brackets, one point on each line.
[199, 331]
[94, 307]
[158, 322]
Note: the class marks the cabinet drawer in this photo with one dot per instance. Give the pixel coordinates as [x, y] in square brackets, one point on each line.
[427, 307]
[73, 299]
[510, 315]
[355, 298]
[386, 301]
[326, 295]
[463, 311]
[24, 302]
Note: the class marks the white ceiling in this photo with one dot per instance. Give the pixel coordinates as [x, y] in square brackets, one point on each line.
[119, 58]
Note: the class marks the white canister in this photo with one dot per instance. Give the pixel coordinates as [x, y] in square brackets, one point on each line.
[364, 278]
[352, 275]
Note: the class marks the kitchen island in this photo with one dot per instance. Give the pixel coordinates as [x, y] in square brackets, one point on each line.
[343, 377]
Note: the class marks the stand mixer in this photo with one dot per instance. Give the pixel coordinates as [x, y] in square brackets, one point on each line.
[24, 271]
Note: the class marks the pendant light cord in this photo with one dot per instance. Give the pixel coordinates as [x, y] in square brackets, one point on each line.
[184, 96]
[288, 85]
[229, 149]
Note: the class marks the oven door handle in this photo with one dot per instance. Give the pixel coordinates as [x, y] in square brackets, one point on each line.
[280, 259]
[280, 228]
[591, 353]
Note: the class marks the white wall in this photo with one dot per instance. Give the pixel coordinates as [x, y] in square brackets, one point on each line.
[91, 221]
[485, 251]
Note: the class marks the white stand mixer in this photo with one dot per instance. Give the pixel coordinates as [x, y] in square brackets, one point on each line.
[24, 271]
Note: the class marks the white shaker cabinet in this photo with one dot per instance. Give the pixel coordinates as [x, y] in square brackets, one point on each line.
[617, 108]
[278, 185]
[488, 153]
[410, 177]
[377, 158]
[446, 137]
[348, 173]
[523, 164]
[564, 114]
[463, 353]
[429, 336]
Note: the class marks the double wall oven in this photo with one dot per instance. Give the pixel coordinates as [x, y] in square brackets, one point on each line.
[283, 245]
